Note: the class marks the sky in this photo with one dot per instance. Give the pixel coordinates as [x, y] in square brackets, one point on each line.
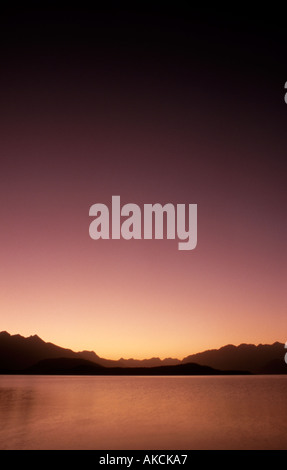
[158, 106]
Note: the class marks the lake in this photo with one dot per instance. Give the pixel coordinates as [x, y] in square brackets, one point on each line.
[143, 413]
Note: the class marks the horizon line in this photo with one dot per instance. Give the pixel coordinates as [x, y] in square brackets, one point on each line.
[167, 357]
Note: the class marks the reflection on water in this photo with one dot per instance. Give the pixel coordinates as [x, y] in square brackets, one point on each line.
[57, 412]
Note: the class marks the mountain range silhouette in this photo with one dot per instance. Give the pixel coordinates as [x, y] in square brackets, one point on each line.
[32, 355]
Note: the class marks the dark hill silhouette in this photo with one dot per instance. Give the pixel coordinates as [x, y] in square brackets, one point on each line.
[277, 366]
[64, 366]
[18, 354]
[243, 357]
[78, 366]
[152, 362]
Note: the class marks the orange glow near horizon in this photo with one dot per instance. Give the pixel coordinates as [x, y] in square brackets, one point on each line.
[143, 300]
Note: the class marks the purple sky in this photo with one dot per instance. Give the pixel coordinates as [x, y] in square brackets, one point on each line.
[156, 108]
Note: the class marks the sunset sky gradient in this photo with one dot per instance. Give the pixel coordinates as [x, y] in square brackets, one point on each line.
[157, 107]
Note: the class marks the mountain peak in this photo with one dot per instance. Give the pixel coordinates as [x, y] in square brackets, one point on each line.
[5, 333]
[36, 338]
[18, 353]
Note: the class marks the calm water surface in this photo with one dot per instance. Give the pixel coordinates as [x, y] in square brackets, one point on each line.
[58, 412]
